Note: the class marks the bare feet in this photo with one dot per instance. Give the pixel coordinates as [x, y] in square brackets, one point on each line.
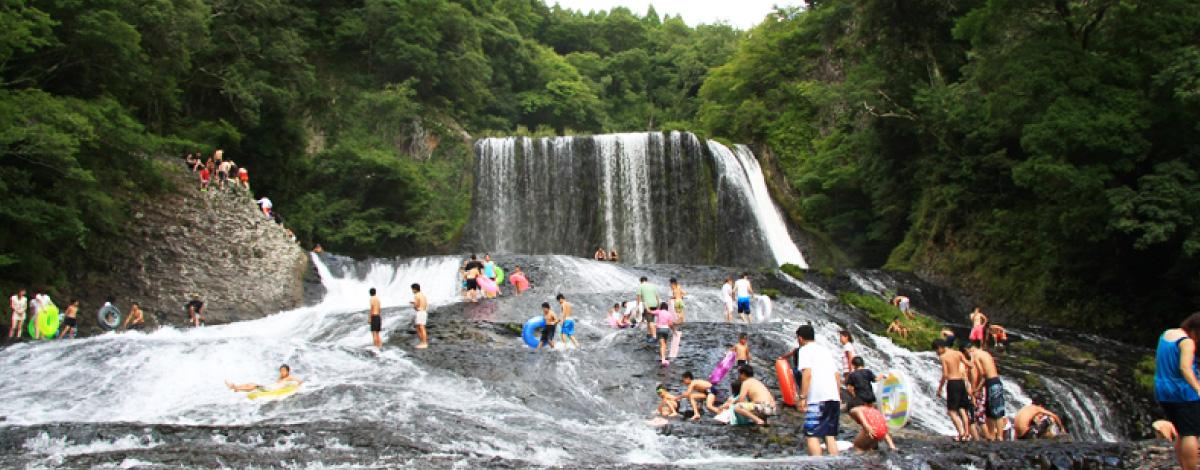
[422, 346]
[229, 385]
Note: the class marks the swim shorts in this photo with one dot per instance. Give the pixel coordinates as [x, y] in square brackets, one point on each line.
[743, 305]
[420, 317]
[763, 410]
[548, 333]
[1185, 416]
[957, 397]
[821, 419]
[995, 398]
[976, 333]
[875, 419]
[855, 402]
[1042, 425]
[904, 305]
[679, 306]
[472, 284]
[720, 396]
[69, 322]
[222, 176]
[742, 362]
[376, 323]
[568, 327]
[136, 326]
[664, 334]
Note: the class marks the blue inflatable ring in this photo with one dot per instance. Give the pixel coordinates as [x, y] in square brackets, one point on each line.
[534, 323]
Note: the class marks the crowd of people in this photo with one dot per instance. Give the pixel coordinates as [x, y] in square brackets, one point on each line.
[26, 311]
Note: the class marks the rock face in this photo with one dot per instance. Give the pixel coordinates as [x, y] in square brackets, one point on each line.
[217, 243]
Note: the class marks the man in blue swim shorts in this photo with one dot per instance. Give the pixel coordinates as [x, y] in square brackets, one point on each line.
[568, 322]
[744, 291]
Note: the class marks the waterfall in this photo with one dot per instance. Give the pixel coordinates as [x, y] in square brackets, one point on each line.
[656, 198]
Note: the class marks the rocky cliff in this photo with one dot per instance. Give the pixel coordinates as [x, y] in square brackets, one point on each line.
[216, 243]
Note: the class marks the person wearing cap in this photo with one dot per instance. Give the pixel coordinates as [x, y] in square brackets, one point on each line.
[196, 310]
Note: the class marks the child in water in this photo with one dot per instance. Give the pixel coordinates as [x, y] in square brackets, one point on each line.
[669, 406]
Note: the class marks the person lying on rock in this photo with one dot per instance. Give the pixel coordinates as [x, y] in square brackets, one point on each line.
[285, 380]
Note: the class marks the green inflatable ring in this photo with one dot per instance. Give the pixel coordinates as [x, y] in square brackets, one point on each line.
[46, 323]
[499, 275]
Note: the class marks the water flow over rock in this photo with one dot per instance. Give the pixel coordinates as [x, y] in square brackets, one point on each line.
[655, 198]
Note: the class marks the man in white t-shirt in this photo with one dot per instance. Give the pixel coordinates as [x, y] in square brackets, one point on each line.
[727, 298]
[819, 385]
[744, 291]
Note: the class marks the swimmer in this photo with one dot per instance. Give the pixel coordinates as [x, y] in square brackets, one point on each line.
[698, 390]
[568, 322]
[285, 380]
[669, 406]
[548, 330]
[1036, 422]
[742, 349]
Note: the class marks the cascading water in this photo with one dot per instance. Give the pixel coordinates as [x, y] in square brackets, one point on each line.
[655, 198]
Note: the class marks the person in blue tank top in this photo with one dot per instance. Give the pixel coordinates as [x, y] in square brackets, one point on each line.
[1177, 389]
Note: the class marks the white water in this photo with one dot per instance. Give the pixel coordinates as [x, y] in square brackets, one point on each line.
[769, 219]
[624, 165]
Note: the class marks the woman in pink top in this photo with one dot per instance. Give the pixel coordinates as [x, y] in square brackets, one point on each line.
[664, 320]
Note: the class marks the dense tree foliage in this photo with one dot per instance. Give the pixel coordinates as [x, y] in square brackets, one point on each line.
[354, 117]
[1042, 152]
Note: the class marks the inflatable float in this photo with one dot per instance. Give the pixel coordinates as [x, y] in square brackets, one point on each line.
[499, 275]
[787, 381]
[674, 352]
[46, 322]
[893, 399]
[762, 309]
[519, 280]
[533, 324]
[722, 368]
[487, 284]
[108, 317]
[273, 394]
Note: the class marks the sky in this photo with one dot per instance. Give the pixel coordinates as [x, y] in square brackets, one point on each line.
[742, 14]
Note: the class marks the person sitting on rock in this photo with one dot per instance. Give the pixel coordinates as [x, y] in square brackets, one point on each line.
[136, 320]
[900, 330]
[285, 380]
[612, 254]
[599, 254]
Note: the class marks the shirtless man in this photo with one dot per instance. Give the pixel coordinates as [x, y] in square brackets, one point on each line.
[223, 174]
[69, 323]
[698, 389]
[1034, 421]
[375, 320]
[755, 401]
[285, 380]
[958, 401]
[474, 269]
[135, 320]
[997, 335]
[727, 298]
[904, 304]
[19, 304]
[612, 254]
[548, 330]
[421, 305]
[568, 322]
[978, 322]
[677, 299]
[600, 254]
[742, 349]
[987, 381]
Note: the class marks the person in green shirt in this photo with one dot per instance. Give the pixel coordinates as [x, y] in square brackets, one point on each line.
[647, 295]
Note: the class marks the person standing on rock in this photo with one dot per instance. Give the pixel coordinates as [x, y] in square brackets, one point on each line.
[647, 296]
[489, 270]
[421, 304]
[244, 177]
[568, 322]
[195, 310]
[677, 294]
[474, 269]
[846, 365]
[1177, 389]
[744, 291]
[375, 320]
[728, 299]
[979, 323]
[664, 321]
[223, 174]
[958, 399]
[69, 322]
[548, 330]
[987, 383]
[19, 305]
[820, 399]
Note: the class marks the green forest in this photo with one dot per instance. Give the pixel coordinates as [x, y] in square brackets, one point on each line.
[1043, 154]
